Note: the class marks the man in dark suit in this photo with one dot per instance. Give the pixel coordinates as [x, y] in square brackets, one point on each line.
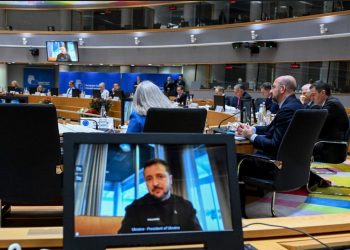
[180, 81]
[169, 87]
[181, 95]
[228, 99]
[240, 93]
[116, 91]
[265, 90]
[268, 138]
[337, 122]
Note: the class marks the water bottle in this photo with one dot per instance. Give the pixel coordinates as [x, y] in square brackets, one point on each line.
[263, 109]
[103, 111]
[49, 92]
[260, 118]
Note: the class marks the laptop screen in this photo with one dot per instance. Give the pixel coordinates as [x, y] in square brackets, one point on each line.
[137, 186]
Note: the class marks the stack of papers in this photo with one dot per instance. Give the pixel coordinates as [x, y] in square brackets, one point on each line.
[72, 128]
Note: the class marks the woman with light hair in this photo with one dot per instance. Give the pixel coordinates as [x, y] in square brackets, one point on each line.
[147, 95]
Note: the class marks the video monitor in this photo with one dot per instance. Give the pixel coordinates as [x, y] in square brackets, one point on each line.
[219, 100]
[54, 91]
[62, 51]
[96, 93]
[124, 190]
[75, 92]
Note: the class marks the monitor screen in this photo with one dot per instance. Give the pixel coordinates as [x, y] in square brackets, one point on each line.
[219, 100]
[96, 93]
[150, 189]
[62, 51]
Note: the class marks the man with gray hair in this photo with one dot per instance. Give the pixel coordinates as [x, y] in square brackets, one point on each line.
[268, 138]
[305, 97]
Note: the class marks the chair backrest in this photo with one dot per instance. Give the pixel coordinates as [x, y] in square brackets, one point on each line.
[29, 153]
[296, 148]
[176, 120]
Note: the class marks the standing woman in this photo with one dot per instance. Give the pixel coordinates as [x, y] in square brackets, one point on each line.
[147, 95]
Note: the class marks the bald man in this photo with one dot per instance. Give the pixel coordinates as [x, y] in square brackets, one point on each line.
[268, 138]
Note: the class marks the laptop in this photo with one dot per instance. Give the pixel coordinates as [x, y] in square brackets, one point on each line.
[108, 184]
[175, 120]
[96, 93]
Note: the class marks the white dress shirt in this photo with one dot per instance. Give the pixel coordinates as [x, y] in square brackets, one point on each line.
[69, 92]
[105, 94]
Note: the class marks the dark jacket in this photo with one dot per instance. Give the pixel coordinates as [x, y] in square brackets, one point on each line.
[181, 99]
[337, 122]
[270, 105]
[269, 137]
[149, 214]
[235, 99]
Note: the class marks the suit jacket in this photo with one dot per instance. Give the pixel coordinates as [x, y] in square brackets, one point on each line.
[181, 99]
[270, 105]
[337, 122]
[147, 215]
[235, 99]
[269, 137]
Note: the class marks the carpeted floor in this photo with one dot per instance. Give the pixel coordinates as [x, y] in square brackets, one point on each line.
[301, 202]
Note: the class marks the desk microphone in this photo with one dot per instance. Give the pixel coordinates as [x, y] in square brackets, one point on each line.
[237, 112]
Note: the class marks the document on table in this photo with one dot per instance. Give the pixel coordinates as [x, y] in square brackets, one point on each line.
[72, 128]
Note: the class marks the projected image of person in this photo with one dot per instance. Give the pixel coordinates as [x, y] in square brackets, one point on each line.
[63, 56]
[159, 209]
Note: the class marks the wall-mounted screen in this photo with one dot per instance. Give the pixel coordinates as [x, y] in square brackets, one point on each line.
[62, 51]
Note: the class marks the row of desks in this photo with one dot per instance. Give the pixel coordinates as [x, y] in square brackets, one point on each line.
[333, 229]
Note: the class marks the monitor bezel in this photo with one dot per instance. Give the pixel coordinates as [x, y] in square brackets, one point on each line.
[229, 239]
[75, 42]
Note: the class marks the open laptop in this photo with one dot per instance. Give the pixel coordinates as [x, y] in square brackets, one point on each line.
[104, 175]
[175, 120]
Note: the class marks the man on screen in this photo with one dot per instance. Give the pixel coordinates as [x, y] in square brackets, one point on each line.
[63, 56]
[159, 210]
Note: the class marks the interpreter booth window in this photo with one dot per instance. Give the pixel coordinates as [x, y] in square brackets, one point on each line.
[112, 179]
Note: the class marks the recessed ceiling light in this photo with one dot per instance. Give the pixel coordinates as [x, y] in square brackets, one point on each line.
[150, 64]
[101, 64]
[132, 65]
[90, 64]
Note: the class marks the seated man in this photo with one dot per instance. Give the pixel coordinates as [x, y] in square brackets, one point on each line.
[221, 91]
[70, 88]
[159, 210]
[117, 91]
[268, 138]
[181, 95]
[265, 90]
[240, 93]
[306, 96]
[169, 87]
[336, 124]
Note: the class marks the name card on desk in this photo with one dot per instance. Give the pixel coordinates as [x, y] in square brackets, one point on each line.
[98, 123]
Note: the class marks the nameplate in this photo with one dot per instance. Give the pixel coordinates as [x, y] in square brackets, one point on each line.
[98, 123]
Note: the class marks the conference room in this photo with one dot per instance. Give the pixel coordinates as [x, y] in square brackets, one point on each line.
[90, 91]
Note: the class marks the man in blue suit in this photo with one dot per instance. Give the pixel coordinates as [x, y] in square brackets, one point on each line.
[268, 138]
